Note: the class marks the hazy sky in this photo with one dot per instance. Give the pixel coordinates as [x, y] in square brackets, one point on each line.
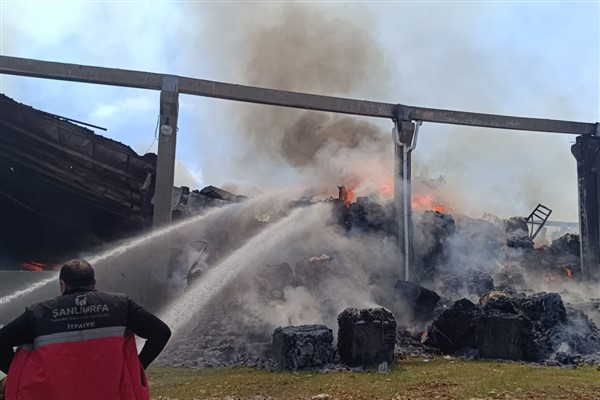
[534, 59]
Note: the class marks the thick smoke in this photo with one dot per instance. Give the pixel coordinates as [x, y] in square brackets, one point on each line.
[299, 48]
[440, 56]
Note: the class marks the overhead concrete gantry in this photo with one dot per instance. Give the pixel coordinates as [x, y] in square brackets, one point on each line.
[406, 121]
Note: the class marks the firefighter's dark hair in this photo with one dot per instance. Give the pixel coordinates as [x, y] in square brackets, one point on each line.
[77, 274]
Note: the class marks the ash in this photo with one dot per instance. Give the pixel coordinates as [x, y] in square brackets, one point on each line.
[473, 279]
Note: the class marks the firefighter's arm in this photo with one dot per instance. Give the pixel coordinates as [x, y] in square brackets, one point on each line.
[15, 333]
[148, 326]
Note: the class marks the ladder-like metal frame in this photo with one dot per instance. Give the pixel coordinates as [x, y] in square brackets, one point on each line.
[538, 216]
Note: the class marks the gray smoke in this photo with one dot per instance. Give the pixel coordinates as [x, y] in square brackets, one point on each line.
[439, 56]
[298, 47]
[303, 50]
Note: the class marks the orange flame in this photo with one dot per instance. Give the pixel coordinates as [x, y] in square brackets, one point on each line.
[38, 266]
[346, 195]
[386, 190]
[427, 202]
[568, 271]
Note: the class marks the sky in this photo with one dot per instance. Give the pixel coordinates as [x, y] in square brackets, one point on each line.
[530, 59]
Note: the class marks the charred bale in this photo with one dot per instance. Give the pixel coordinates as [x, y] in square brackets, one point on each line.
[303, 347]
[516, 225]
[479, 282]
[414, 300]
[455, 328]
[567, 244]
[366, 336]
[466, 283]
[568, 253]
[366, 216]
[516, 241]
[498, 302]
[545, 308]
[505, 336]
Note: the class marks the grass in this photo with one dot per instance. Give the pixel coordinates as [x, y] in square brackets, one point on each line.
[408, 379]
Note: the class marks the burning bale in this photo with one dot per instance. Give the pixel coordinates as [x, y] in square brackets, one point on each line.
[303, 347]
[366, 337]
[366, 216]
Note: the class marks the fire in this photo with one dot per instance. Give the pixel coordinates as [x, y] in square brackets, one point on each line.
[386, 190]
[427, 202]
[555, 276]
[568, 271]
[38, 266]
[345, 195]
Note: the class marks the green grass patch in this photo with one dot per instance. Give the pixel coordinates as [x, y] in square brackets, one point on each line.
[408, 379]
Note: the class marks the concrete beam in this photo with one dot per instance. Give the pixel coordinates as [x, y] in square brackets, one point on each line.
[200, 87]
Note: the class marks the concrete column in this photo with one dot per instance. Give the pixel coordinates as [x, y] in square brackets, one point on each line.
[167, 140]
[403, 135]
[158, 257]
[587, 153]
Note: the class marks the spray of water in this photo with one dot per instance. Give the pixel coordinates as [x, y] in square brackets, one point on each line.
[131, 244]
[31, 289]
[252, 253]
[114, 252]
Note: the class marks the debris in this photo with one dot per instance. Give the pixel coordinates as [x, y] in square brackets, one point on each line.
[383, 368]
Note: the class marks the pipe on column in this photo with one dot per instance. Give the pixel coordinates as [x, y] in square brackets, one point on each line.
[407, 148]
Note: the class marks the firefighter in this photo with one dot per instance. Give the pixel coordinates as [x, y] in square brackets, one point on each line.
[80, 345]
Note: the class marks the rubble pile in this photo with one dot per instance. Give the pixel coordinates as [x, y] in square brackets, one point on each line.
[472, 297]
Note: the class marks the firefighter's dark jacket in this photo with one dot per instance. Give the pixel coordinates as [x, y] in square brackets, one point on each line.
[80, 345]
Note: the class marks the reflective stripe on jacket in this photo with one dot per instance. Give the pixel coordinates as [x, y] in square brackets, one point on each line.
[81, 350]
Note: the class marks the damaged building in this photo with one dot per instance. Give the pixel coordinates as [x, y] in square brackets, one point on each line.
[64, 188]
